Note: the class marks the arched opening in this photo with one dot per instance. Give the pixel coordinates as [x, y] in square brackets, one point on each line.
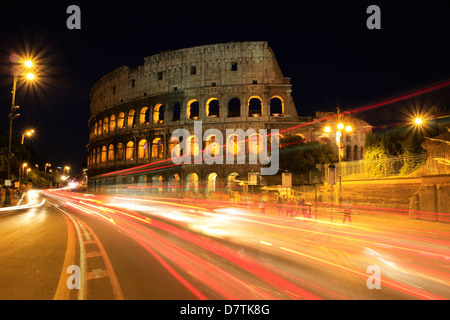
[143, 149]
[174, 148]
[301, 135]
[121, 120]
[103, 154]
[232, 181]
[234, 108]
[233, 144]
[157, 149]
[193, 109]
[212, 146]
[355, 152]
[142, 180]
[131, 119]
[105, 125]
[211, 178]
[111, 152]
[144, 116]
[99, 128]
[129, 153]
[157, 183]
[192, 147]
[348, 152]
[253, 143]
[119, 151]
[212, 107]
[280, 139]
[176, 115]
[192, 182]
[112, 123]
[99, 155]
[255, 106]
[174, 182]
[95, 129]
[158, 113]
[276, 106]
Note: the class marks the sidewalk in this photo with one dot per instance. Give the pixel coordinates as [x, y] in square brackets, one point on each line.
[15, 201]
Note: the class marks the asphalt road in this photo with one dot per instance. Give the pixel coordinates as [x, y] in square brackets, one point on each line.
[161, 249]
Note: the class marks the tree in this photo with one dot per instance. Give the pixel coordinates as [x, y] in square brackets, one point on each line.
[299, 156]
[400, 144]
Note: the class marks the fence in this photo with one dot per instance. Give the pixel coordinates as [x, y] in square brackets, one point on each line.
[401, 166]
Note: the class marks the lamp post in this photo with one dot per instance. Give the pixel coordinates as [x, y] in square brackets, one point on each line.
[342, 123]
[27, 133]
[66, 170]
[17, 72]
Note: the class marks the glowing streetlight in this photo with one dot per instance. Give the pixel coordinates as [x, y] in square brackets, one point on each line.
[339, 127]
[28, 170]
[66, 170]
[27, 134]
[17, 71]
[418, 121]
[22, 170]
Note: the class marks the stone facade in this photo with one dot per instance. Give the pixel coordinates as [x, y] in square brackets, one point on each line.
[134, 112]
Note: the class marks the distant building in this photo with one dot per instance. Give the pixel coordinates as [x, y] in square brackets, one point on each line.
[438, 149]
[352, 143]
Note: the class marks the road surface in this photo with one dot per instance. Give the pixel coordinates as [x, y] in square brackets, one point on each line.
[70, 245]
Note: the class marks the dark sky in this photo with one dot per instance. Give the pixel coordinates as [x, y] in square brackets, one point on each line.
[332, 58]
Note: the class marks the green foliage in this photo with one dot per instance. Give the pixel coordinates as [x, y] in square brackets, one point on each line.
[400, 144]
[376, 161]
[300, 157]
[21, 154]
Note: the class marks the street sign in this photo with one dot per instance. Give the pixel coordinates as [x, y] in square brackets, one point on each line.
[315, 176]
[332, 174]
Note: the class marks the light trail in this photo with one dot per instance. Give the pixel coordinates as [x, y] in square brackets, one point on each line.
[334, 246]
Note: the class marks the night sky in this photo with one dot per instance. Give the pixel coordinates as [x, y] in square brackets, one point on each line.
[332, 58]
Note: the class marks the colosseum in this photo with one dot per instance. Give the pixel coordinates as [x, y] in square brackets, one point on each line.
[134, 112]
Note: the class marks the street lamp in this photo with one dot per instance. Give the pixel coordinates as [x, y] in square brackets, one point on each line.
[27, 133]
[17, 72]
[342, 121]
[66, 171]
[21, 171]
[418, 121]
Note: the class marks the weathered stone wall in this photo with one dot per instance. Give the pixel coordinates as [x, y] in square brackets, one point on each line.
[418, 199]
[431, 202]
[224, 64]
